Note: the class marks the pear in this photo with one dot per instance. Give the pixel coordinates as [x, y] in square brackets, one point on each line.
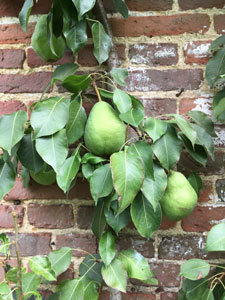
[179, 199]
[104, 133]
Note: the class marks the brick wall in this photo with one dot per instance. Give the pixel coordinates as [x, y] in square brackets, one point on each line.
[165, 45]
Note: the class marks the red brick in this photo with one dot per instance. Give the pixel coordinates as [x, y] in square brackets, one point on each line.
[160, 25]
[197, 52]
[36, 191]
[168, 296]
[201, 103]
[11, 8]
[145, 5]
[203, 218]
[167, 224]
[33, 60]
[11, 58]
[85, 216]
[77, 241]
[68, 274]
[146, 80]
[155, 107]
[105, 295]
[138, 296]
[13, 33]
[206, 191]
[162, 270]
[51, 216]
[146, 248]
[8, 107]
[219, 24]
[162, 54]
[6, 219]
[17, 83]
[185, 4]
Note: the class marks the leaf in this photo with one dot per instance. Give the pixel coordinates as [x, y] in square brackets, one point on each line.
[87, 171]
[25, 13]
[106, 94]
[25, 175]
[119, 75]
[36, 295]
[72, 289]
[155, 128]
[195, 182]
[28, 155]
[102, 42]
[202, 120]
[208, 295]
[216, 238]
[76, 83]
[90, 289]
[50, 116]
[12, 129]
[153, 189]
[5, 244]
[101, 184]
[57, 44]
[68, 171]
[194, 289]
[92, 159]
[219, 109]
[63, 71]
[30, 282]
[57, 18]
[128, 177]
[91, 268]
[60, 259]
[99, 221]
[42, 266]
[11, 275]
[83, 6]
[121, 7]
[145, 219]
[53, 149]
[216, 102]
[217, 44]
[135, 264]
[122, 100]
[77, 120]
[76, 37]
[7, 178]
[115, 275]
[195, 269]
[215, 67]
[5, 291]
[107, 248]
[135, 116]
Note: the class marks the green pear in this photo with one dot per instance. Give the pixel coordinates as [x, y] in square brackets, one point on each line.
[104, 133]
[179, 199]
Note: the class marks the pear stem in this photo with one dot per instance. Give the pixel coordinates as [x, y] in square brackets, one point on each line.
[97, 91]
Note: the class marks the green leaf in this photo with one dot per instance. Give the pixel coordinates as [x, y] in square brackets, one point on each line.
[145, 219]
[11, 275]
[7, 178]
[90, 289]
[12, 129]
[121, 7]
[36, 295]
[30, 282]
[216, 238]
[155, 128]
[216, 102]
[5, 291]
[202, 120]
[42, 266]
[53, 149]
[194, 289]
[92, 159]
[87, 171]
[83, 6]
[91, 268]
[136, 115]
[72, 289]
[119, 75]
[68, 171]
[63, 71]
[208, 295]
[28, 155]
[102, 42]
[219, 109]
[153, 189]
[215, 67]
[60, 259]
[57, 18]
[76, 37]
[107, 248]
[77, 120]
[135, 264]
[99, 221]
[5, 244]
[49, 116]
[128, 177]
[76, 83]
[57, 44]
[217, 44]
[101, 184]
[106, 94]
[25, 13]
[195, 269]
[115, 275]
[195, 182]
[122, 100]
[185, 127]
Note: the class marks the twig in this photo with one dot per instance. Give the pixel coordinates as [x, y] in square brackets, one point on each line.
[136, 130]
[97, 91]
[18, 256]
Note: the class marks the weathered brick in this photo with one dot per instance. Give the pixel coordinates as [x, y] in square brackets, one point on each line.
[162, 270]
[160, 25]
[77, 241]
[138, 296]
[146, 80]
[219, 141]
[203, 218]
[33, 60]
[11, 58]
[155, 107]
[168, 296]
[201, 103]
[13, 33]
[206, 192]
[167, 224]
[162, 54]
[51, 216]
[145, 5]
[219, 24]
[146, 248]
[6, 219]
[17, 83]
[36, 191]
[188, 4]
[85, 216]
[197, 52]
[8, 107]
[220, 189]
